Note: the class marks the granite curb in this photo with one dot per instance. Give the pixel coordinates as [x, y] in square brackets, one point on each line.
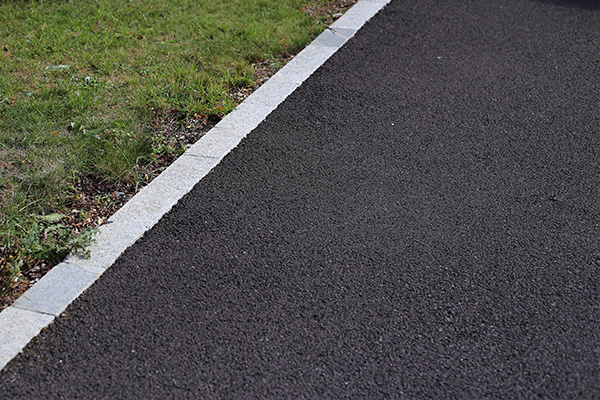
[49, 297]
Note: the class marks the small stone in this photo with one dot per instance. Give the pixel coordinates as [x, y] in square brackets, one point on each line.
[60, 67]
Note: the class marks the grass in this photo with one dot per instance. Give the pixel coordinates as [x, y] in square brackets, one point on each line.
[81, 83]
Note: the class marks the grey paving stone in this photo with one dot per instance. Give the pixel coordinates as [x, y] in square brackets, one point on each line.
[216, 143]
[335, 37]
[272, 92]
[17, 328]
[111, 240]
[304, 64]
[245, 118]
[57, 289]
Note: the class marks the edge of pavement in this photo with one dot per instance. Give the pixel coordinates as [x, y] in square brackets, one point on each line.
[50, 296]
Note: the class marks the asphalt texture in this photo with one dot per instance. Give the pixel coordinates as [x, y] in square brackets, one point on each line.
[420, 219]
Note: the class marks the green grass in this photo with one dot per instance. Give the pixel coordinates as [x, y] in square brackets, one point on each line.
[80, 82]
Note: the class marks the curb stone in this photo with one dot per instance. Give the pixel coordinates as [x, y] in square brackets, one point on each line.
[49, 297]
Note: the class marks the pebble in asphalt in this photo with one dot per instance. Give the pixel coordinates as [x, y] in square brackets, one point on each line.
[419, 220]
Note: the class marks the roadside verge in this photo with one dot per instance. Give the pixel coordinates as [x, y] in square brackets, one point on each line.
[49, 297]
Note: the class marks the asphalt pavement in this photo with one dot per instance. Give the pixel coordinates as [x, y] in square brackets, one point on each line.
[420, 219]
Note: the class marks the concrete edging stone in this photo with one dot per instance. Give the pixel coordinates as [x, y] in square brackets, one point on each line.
[49, 297]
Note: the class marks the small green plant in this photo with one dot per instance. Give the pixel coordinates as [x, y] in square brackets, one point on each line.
[119, 151]
[52, 241]
[27, 240]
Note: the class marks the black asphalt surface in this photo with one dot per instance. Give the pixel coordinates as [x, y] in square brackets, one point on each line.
[419, 220]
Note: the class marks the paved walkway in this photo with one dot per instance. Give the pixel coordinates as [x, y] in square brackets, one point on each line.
[420, 219]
